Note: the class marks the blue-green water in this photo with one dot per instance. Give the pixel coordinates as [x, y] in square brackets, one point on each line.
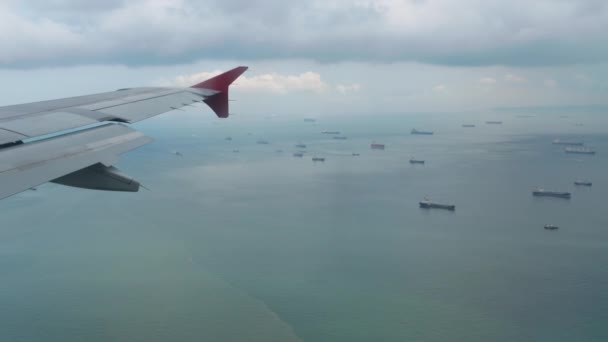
[262, 246]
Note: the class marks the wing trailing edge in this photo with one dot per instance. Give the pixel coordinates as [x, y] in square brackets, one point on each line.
[99, 177]
[27, 165]
[220, 83]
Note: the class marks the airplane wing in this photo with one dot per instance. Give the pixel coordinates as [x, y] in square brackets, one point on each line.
[75, 141]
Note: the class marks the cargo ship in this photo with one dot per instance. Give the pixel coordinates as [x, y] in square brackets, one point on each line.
[377, 146]
[493, 122]
[330, 132]
[298, 154]
[578, 150]
[582, 183]
[356, 154]
[309, 120]
[551, 227]
[415, 131]
[416, 161]
[262, 142]
[300, 145]
[567, 142]
[426, 204]
[318, 159]
[340, 138]
[546, 193]
[468, 125]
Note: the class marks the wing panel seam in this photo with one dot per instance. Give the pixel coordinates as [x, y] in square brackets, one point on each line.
[146, 99]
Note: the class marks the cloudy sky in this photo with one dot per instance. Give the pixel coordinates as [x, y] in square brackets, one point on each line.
[352, 56]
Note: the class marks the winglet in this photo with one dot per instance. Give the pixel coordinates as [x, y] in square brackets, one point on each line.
[221, 82]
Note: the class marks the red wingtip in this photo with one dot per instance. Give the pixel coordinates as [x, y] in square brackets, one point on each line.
[220, 83]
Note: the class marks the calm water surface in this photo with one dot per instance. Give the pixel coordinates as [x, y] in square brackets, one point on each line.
[261, 246]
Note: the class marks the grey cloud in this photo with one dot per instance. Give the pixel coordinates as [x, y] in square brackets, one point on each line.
[446, 32]
[41, 7]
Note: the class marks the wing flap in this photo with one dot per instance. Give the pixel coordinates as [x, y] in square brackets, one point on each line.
[28, 165]
[36, 125]
[9, 136]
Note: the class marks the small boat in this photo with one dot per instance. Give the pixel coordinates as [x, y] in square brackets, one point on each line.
[309, 120]
[377, 146]
[330, 132]
[262, 142]
[340, 138]
[279, 151]
[582, 183]
[551, 227]
[298, 154]
[177, 153]
[427, 204]
[579, 150]
[356, 154]
[494, 122]
[300, 145]
[468, 125]
[539, 192]
[235, 151]
[415, 131]
[318, 159]
[416, 161]
[228, 138]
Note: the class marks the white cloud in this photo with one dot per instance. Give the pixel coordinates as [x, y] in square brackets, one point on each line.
[487, 80]
[387, 88]
[348, 88]
[550, 83]
[278, 83]
[439, 88]
[514, 78]
[269, 82]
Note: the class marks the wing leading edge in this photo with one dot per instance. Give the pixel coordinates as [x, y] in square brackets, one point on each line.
[84, 158]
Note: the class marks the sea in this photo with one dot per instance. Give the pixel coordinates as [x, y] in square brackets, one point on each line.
[238, 241]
